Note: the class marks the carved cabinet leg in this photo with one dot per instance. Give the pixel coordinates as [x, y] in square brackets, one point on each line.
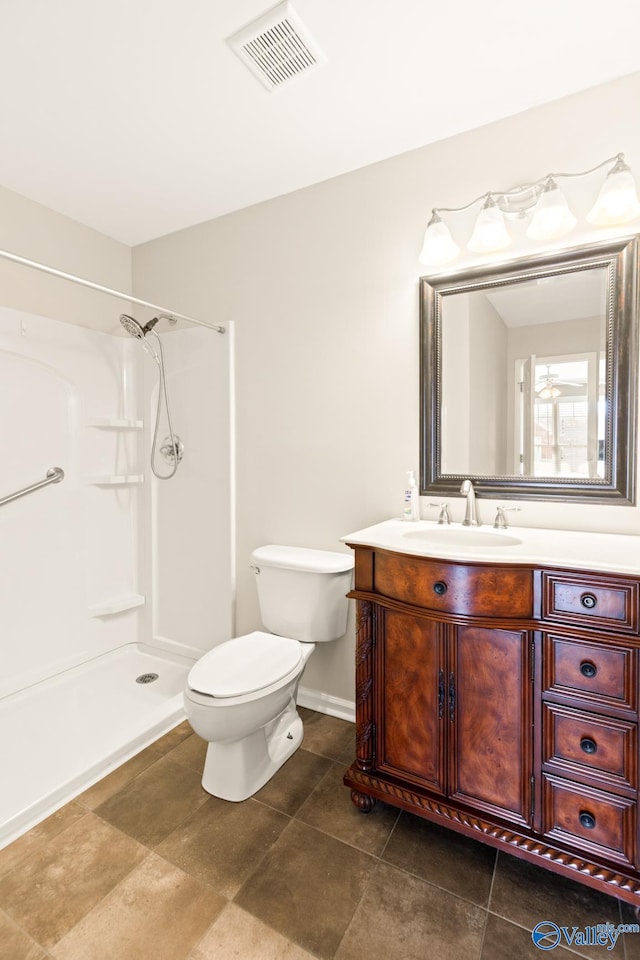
[363, 801]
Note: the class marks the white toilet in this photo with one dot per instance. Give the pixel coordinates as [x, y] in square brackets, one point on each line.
[241, 696]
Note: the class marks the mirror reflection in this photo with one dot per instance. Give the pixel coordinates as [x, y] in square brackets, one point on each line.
[524, 377]
[528, 377]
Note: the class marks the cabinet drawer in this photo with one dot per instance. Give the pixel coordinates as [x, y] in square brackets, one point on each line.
[601, 602]
[576, 743]
[598, 673]
[589, 819]
[455, 588]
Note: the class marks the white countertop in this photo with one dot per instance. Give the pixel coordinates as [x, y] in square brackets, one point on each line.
[610, 552]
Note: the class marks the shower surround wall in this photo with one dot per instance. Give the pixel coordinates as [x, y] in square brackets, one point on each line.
[71, 546]
[109, 573]
[189, 518]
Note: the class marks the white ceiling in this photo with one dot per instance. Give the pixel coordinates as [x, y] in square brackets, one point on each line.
[554, 299]
[135, 118]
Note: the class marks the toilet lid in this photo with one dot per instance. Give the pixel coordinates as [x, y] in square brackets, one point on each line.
[244, 665]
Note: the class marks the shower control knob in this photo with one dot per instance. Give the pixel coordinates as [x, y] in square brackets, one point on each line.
[172, 451]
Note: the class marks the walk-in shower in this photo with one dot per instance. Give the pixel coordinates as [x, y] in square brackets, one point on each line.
[172, 449]
[109, 577]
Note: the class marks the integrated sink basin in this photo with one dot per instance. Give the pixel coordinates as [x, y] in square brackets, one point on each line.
[537, 546]
[469, 537]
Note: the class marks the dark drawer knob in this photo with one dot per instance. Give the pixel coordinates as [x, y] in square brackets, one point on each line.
[440, 588]
[588, 669]
[588, 601]
[587, 819]
[588, 745]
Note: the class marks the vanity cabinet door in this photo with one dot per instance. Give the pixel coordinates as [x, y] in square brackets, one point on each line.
[454, 712]
[491, 756]
[411, 685]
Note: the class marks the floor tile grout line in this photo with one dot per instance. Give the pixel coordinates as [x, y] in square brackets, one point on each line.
[124, 786]
[93, 906]
[26, 933]
[529, 930]
[109, 893]
[152, 849]
[290, 817]
[380, 862]
[487, 912]
[177, 826]
[195, 946]
[270, 806]
[364, 893]
[294, 815]
[379, 857]
[76, 798]
[484, 932]
[326, 834]
[391, 832]
[43, 843]
[254, 917]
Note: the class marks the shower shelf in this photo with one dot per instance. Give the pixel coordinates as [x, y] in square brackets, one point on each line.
[113, 481]
[127, 601]
[116, 423]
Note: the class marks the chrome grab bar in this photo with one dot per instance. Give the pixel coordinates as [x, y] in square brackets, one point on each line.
[54, 475]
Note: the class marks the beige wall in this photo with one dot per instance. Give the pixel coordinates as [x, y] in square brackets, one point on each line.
[29, 230]
[322, 287]
[490, 385]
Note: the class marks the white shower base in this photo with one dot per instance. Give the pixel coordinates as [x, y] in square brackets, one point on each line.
[60, 736]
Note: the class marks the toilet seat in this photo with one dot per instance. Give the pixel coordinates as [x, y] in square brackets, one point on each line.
[245, 665]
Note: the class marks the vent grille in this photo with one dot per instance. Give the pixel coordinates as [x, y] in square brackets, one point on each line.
[277, 47]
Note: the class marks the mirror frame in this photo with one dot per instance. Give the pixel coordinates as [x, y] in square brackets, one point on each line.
[620, 258]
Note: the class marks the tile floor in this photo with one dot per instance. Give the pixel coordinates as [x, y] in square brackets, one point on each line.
[146, 866]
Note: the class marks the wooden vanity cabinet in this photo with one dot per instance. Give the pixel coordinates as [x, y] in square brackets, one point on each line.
[424, 670]
[502, 701]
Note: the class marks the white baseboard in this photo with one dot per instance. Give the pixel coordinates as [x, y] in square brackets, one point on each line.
[324, 703]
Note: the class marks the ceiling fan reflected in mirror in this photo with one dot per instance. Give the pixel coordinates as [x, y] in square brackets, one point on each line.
[549, 386]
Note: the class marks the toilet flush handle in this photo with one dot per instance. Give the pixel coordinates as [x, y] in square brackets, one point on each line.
[255, 569]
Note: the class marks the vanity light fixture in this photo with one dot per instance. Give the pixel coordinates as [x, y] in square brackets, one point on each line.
[490, 233]
[617, 201]
[542, 201]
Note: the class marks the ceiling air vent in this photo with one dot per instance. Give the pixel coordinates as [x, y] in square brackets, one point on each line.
[277, 47]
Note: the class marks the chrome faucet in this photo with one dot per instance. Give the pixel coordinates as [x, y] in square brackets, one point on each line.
[445, 516]
[500, 523]
[470, 516]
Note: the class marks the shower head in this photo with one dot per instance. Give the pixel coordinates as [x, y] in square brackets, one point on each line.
[136, 329]
[131, 326]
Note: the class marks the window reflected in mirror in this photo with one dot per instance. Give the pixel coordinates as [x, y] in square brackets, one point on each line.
[561, 422]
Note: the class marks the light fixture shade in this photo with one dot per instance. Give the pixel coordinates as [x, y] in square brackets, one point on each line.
[490, 232]
[551, 217]
[549, 393]
[439, 246]
[618, 200]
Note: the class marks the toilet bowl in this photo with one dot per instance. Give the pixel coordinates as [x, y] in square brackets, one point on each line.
[241, 696]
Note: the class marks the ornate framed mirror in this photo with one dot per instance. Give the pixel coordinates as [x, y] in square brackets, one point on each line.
[528, 377]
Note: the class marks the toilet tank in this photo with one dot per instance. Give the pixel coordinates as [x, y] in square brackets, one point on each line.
[302, 592]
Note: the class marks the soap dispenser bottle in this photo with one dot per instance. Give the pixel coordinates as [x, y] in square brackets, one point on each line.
[411, 508]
